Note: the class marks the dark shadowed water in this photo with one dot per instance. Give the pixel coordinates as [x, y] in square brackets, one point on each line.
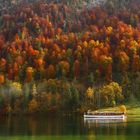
[67, 128]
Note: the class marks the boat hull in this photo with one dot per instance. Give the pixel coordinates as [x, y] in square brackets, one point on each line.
[104, 117]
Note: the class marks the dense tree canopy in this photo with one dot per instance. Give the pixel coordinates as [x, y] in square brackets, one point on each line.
[54, 40]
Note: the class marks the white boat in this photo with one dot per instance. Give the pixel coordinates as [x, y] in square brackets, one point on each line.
[104, 115]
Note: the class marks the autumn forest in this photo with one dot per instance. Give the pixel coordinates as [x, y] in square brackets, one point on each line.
[57, 57]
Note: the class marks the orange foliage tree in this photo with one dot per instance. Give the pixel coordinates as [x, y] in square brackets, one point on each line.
[29, 74]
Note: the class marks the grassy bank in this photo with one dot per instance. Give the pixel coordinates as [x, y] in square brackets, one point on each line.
[132, 108]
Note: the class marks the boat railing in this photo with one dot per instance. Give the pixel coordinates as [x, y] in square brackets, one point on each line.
[105, 113]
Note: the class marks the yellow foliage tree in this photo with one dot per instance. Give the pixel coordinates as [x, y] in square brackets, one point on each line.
[122, 108]
[65, 66]
[90, 92]
[110, 93]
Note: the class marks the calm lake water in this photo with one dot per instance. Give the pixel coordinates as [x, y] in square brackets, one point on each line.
[67, 128]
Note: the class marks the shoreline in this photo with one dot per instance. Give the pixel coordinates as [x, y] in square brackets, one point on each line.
[131, 110]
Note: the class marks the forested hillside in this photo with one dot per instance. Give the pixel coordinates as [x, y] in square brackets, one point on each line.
[58, 56]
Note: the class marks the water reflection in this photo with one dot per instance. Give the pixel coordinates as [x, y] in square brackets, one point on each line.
[106, 127]
[68, 126]
[40, 125]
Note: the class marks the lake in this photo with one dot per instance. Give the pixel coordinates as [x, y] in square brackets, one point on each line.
[70, 127]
